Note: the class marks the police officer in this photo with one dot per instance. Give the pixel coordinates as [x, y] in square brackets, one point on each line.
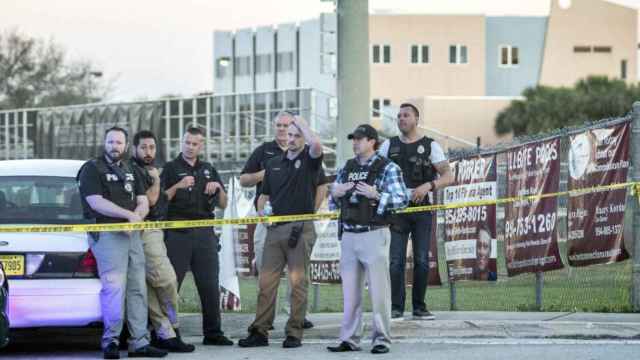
[162, 285]
[425, 169]
[253, 174]
[365, 190]
[111, 193]
[289, 184]
[194, 189]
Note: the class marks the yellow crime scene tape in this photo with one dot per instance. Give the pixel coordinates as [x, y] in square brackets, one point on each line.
[182, 224]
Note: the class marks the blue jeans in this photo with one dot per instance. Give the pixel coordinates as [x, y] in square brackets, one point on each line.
[418, 225]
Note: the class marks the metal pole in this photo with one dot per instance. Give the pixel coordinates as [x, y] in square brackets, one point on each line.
[453, 296]
[316, 298]
[539, 285]
[635, 176]
[353, 72]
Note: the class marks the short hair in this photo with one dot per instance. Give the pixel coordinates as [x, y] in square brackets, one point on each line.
[194, 130]
[143, 134]
[413, 107]
[283, 113]
[117, 128]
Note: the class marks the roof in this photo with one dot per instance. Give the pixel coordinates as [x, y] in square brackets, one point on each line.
[40, 167]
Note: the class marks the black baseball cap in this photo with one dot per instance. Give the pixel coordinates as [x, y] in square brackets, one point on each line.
[364, 130]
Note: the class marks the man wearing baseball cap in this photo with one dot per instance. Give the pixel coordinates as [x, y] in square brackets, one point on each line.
[366, 189]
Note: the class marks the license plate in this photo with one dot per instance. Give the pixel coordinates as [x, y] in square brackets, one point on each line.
[13, 264]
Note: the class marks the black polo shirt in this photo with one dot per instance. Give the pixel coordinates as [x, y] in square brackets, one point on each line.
[157, 212]
[191, 203]
[259, 158]
[291, 184]
[114, 182]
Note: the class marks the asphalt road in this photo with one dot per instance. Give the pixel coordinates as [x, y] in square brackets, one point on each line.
[64, 346]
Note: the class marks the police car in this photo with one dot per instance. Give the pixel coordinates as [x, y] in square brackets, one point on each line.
[52, 276]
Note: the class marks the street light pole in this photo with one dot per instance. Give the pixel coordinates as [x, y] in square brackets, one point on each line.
[353, 72]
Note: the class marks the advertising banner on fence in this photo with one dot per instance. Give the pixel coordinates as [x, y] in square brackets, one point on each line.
[325, 257]
[470, 232]
[596, 220]
[530, 232]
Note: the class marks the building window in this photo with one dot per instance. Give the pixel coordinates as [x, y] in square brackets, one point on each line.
[242, 65]
[458, 54]
[419, 54]
[377, 57]
[263, 64]
[284, 62]
[581, 49]
[222, 66]
[376, 110]
[623, 69]
[508, 56]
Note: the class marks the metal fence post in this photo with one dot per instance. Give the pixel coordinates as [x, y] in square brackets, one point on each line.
[539, 285]
[316, 298]
[453, 295]
[635, 176]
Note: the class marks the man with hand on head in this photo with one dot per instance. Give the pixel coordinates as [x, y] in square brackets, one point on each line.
[289, 185]
[253, 175]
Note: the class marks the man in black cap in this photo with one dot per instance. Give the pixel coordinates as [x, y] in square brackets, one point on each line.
[366, 189]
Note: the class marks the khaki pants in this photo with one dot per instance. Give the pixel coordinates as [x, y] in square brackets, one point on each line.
[276, 255]
[365, 257]
[162, 285]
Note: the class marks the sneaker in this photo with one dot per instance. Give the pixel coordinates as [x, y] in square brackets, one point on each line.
[291, 342]
[343, 346]
[148, 351]
[219, 340]
[112, 351]
[307, 324]
[423, 315]
[396, 315]
[380, 349]
[175, 345]
[254, 340]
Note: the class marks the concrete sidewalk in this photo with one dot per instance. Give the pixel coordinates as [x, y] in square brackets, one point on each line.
[454, 325]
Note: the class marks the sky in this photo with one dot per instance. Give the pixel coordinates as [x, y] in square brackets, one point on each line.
[151, 48]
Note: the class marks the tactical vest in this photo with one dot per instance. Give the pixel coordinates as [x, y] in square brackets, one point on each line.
[414, 160]
[364, 211]
[117, 186]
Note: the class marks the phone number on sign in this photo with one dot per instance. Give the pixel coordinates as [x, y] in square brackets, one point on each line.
[466, 214]
[532, 224]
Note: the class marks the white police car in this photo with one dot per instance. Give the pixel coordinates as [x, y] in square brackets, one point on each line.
[52, 276]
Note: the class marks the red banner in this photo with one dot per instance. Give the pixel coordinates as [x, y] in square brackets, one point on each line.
[596, 220]
[531, 236]
[470, 232]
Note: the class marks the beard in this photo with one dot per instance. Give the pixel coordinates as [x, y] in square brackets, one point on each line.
[114, 156]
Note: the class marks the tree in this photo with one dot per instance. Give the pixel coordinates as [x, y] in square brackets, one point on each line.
[546, 108]
[34, 72]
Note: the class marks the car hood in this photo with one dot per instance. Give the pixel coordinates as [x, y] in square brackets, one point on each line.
[43, 242]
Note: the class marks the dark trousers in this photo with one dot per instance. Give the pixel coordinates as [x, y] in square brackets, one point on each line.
[419, 226]
[197, 250]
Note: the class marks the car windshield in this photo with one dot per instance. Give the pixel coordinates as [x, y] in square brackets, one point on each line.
[39, 200]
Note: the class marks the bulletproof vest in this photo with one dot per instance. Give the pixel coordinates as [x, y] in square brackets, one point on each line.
[118, 184]
[414, 160]
[364, 210]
